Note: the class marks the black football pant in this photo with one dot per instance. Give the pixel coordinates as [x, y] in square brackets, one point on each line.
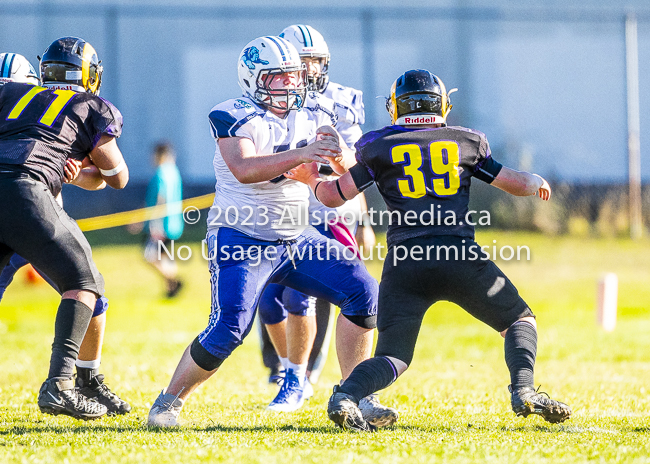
[35, 226]
[410, 286]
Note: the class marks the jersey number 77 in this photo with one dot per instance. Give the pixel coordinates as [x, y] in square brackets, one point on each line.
[52, 111]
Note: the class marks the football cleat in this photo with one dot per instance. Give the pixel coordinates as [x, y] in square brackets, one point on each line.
[276, 376]
[376, 413]
[59, 396]
[173, 287]
[527, 400]
[165, 410]
[308, 389]
[343, 410]
[97, 390]
[292, 394]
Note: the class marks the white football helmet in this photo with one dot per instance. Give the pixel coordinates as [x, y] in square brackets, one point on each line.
[310, 44]
[260, 61]
[16, 68]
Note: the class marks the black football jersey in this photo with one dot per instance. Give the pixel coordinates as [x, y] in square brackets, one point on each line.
[424, 176]
[41, 128]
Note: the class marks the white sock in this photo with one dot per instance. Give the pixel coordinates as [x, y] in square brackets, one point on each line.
[94, 364]
[284, 362]
[299, 370]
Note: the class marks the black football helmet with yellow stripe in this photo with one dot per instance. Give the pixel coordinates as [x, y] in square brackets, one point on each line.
[71, 62]
[418, 97]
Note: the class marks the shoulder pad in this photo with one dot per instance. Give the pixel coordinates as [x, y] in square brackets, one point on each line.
[317, 98]
[371, 136]
[106, 118]
[348, 101]
[469, 131]
[317, 102]
[114, 129]
[227, 117]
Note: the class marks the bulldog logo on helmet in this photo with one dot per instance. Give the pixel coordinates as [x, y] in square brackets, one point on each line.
[251, 56]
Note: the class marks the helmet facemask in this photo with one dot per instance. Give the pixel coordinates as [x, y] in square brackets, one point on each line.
[91, 70]
[94, 79]
[318, 82]
[310, 45]
[286, 99]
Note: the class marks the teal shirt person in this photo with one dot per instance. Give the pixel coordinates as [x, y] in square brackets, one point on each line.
[166, 187]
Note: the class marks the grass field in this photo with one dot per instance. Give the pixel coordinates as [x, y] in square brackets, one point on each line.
[453, 400]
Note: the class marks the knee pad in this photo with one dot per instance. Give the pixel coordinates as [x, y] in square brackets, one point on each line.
[203, 358]
[101, 306]
[365, 322]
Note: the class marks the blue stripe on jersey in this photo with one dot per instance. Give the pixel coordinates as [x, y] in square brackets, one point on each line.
[225, 125]
[5, 71]
[279, 46]
[221, 122]
[306, 35]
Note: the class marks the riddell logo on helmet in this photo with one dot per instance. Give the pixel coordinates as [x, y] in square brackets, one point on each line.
[62, 86]
[420, 120]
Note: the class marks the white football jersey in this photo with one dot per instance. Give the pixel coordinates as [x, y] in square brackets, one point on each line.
[349, 110]
[347, 104]
[269, 210]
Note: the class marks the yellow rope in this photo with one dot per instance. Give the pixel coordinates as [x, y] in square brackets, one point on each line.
[140, 215]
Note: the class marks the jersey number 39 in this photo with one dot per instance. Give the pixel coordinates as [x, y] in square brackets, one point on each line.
[444, 156]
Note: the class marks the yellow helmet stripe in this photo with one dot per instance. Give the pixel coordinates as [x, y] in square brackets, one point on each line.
[86, 57]
[393, 103]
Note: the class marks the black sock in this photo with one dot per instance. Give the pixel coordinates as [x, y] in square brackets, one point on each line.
[70, 327]
[86, 373]
[369, 376]
[521, 349]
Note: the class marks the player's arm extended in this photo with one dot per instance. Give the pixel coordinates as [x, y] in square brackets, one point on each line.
[342, 163]
[111, 166]
[330, 193]
[522, 184]
[249, 167]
